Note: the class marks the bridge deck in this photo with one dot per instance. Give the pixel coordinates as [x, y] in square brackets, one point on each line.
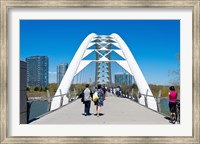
[115, 111]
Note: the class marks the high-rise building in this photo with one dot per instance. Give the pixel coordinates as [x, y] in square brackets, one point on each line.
[37, 71]
[61, 69]
[123, 79]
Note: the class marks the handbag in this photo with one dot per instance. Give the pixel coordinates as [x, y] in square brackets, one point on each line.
[95, 97]
[82, 97]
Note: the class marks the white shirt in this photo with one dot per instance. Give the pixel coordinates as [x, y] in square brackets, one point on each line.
[87, 96]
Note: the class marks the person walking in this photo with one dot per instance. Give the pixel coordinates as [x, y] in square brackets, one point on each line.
[87, 100]
[99, 102]
[172, 103]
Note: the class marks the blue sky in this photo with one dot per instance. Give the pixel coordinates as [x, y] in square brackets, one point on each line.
[154, 43]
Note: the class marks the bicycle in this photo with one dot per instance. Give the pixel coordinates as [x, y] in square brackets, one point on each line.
[176, 116]
[178, 111]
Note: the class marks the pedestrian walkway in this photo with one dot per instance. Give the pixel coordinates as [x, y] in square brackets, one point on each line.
[116, 110]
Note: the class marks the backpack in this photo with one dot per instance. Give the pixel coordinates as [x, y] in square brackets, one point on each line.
[82, 96]
[95, 97]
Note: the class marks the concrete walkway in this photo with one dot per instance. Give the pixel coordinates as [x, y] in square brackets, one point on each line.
[115, 111]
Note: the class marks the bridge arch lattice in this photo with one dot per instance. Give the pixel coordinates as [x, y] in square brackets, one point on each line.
[78, 64]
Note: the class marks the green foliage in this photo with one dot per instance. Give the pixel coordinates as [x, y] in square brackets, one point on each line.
[164, 90]
[52, 87]
[31, 89]
[156, 88]
[135, 88]
[132, 90]
[36, 88]
[35, 91]
[78, 88]
[27, 89]
[129, 89]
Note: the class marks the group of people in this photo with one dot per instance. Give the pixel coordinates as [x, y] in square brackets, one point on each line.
[87, 96]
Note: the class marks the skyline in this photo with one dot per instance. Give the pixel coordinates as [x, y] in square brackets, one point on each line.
[154, 44]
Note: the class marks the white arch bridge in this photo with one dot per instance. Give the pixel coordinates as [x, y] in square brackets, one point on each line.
[103, 50]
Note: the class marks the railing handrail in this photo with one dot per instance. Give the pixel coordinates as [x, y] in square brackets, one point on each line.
[153, 96]
[156, 96]
[50, 97]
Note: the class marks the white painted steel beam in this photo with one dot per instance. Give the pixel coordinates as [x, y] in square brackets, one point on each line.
[71, 71]
[124, 64]
[90, 44]
[87, 52]
[137, 73]
[116, 44]
[119, 52]
[82, 65]
[129, 64]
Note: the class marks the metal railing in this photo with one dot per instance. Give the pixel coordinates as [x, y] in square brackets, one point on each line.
[68, 95]
[71, 99]
[49, 99]
[139, 95]
[158, 102]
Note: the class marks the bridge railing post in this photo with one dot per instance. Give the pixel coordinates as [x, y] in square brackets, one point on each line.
[145, 98]
[158, 101]
[138, 96]
[61, 100]
[49, 99]
[132, 94]
[69, 96]
[74, 93]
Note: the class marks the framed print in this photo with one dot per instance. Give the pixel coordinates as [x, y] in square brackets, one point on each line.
[15, 15]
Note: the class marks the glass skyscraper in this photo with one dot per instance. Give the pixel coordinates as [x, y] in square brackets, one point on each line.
[123, 79]
[61, 69]
[37, 71]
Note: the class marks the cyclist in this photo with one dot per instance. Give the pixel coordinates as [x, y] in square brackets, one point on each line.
[172, 104]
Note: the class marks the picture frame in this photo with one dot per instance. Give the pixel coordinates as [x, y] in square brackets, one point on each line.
[6, 5]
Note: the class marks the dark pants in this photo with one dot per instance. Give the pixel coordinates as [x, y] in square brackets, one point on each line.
[172, 107]
[87, 107]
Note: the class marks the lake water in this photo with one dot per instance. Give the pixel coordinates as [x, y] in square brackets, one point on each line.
[164, 106]
[40, 107]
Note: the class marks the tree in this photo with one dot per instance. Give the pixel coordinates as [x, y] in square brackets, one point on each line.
[175, 77]
[36, 88]
[53, 87]
[175, 74]
[27, 89]
[134, 86]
